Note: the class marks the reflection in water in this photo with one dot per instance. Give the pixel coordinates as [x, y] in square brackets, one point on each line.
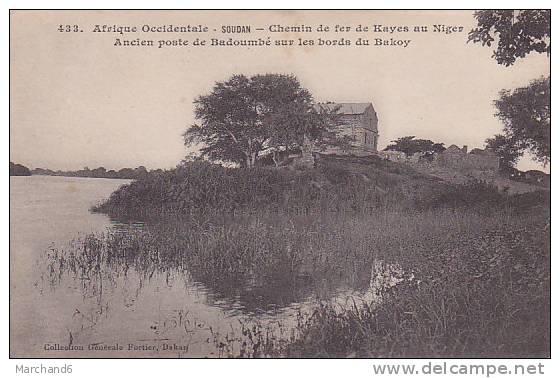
[185, 287]
[127, 268]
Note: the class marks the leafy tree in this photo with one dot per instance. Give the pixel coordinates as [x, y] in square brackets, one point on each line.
[98, 172]
[228, 128]
[286, 112]
[126, 173]
[324, 131]
[19, 170]
[243, 117]
[284, 129]
[507, 152]
[409, 145]
[525, 113]
[292, 128]
[141, 171]
[518, 33]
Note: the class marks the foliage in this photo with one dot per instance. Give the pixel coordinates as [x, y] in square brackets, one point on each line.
[525, 113]
[338, 185]
[475, 281]
[101, 172]
[243, 117]
[19, 170]
[326, 133]
[506, 150]
[410, 145]
[472, 284]
[484, 293]
[518, 32]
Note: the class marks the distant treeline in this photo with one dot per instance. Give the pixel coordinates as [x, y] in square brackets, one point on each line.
[101, 172]
[19, 170]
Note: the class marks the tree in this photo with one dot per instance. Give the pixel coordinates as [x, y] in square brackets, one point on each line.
[243, 117]
[409, 145]
[98, 172]
[127, 173]
[140, 172]
[228, 128]
[518, 33]
[19, 170]
[292, 127]
[324, 129]
[525, 113]
[507, 152]
[284, 129]
[286, 110]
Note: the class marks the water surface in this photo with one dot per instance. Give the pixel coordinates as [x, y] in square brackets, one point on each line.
[134, 314]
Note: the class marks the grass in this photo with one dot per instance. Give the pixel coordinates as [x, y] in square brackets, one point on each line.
[480, 288]
[489, 296]
[476, 261]
[340, 185]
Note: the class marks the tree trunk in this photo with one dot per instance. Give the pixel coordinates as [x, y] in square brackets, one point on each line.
[253, 159]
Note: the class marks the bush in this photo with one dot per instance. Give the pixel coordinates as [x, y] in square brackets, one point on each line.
[474, 285]
[204, 188]
[485, 295]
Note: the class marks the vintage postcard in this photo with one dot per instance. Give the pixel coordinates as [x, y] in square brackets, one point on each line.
[285, 184]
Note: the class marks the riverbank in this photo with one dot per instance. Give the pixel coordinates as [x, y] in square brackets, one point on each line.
[472, 285]
[477, 261]
[479, 294]
[336, 187]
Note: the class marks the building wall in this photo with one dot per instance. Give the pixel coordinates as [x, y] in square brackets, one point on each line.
[367, 133]
[361, 127]
[483, 165]
[396, 156]
[485, 161]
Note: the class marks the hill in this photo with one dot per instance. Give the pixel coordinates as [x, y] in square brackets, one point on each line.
[335, 184]
[19, 170]
[477, 260]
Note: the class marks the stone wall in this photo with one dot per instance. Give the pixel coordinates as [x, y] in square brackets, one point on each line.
[396, 156]
[479, 164]
[481, 160]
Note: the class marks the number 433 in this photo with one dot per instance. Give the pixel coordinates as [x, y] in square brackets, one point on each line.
[69, 28]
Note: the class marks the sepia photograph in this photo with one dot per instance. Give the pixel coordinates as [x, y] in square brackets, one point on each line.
[286, 184]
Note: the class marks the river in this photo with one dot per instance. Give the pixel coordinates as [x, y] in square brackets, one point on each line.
[133, 316]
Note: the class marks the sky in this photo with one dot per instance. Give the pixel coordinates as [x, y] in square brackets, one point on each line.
[76, 100]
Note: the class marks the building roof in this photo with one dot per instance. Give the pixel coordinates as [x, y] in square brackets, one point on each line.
[350, 108]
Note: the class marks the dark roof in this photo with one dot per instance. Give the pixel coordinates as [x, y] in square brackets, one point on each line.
[351, 108]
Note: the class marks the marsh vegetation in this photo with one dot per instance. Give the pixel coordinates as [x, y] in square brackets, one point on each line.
[362, 262]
